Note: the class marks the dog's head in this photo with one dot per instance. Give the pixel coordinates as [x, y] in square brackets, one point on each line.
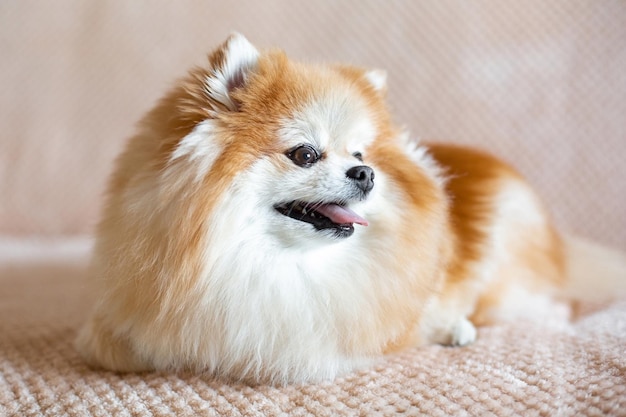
[287, 145]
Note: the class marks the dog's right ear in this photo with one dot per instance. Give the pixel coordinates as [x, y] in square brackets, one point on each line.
[377, 78]
[231, 65]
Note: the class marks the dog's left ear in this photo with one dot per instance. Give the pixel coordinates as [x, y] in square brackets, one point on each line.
[231, 65]
[377, 79]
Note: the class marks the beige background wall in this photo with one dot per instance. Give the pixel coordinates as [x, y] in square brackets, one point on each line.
[541, 83]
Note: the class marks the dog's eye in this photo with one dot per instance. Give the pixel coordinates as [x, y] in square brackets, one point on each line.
[358, 155]
[304, 155]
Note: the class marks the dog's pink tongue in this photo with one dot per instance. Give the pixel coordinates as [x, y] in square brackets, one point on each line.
[340, 215]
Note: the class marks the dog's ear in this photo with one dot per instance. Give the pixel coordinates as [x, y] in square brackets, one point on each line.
[231, 65]
[377, 79]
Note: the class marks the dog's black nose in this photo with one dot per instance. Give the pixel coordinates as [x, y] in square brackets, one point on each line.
[363, 177]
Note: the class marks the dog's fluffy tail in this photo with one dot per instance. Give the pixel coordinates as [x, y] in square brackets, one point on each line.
[595, 272]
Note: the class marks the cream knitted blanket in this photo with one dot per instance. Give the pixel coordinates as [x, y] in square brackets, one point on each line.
[556, 367]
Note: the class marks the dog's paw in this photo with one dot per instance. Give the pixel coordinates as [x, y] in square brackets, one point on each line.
[463, 333]
[451, 331]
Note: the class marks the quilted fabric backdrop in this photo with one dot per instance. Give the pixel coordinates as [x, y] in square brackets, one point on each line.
[543, 84]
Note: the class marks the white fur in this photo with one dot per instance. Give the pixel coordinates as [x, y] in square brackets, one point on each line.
[337, 119]
[421, 158]
[377, 78]
[446, 324]
[240, 57]
[463, 333]
[190, 161]
[518, 302]
[284, 330]
[199, 148]
[517, 209]
[519, 214]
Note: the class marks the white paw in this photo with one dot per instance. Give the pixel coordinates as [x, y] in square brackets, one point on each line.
[463, 333]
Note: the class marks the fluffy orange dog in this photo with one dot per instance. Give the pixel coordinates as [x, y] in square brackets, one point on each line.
[269, 223]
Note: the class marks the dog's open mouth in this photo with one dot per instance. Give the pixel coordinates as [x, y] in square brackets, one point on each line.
[323, 216]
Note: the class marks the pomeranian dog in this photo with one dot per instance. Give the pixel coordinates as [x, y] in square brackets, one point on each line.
[270, 224]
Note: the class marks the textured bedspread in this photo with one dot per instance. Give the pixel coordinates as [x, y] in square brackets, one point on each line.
[552, 368]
